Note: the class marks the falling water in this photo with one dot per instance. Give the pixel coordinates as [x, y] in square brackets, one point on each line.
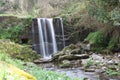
[52, 32]
[42, 46]
[62, 32]
[45, 40]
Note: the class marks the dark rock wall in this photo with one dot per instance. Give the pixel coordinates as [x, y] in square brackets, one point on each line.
[58, 34]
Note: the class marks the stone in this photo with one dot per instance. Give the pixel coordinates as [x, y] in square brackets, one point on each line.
[42, 60]
[81, 56]
[86, 79]
[90, 70]
[74, 57]
[56, 56]
[73, 54]
[76, 51]
[119, 56]
[65, 64]
[65, 57]
[76, 63]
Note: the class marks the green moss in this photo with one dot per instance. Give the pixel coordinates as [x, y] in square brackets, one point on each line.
[97, 38]
[103, 43]
[18, 51]
[12, 27]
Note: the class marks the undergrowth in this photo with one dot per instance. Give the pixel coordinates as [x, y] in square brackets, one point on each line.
[104, 43]
[33, 69]
[12, 28]
[111, 72]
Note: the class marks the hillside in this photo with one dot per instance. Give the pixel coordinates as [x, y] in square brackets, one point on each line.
[39, 8]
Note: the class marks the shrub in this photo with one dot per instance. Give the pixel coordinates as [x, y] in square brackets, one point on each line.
[18, 51]
[12, 28]
[97, 39]
[105, 40]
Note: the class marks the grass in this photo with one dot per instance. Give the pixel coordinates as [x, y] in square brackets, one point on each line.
[111, 72]
[46, 75]
[33, 69]
[19, 16]
[89, 63]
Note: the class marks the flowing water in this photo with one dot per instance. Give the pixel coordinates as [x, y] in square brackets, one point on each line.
[48, 36]
[71, 72]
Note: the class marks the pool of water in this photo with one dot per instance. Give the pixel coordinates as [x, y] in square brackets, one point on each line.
[71, 72]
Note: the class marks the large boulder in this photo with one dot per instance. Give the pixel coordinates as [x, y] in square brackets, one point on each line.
[70, 64]
[69, 55]
[73, 57]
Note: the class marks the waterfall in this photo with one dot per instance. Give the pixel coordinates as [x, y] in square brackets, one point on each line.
[41, 40]
[46, 32]
[52, 32]
[62, 31]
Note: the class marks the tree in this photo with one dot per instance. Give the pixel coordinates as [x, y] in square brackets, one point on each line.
[106, 11]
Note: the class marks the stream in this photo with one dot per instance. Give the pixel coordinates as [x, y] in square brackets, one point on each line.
[71, 72]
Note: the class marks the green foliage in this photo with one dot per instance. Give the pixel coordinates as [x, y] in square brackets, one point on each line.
[77, 6]
[97, 38]
[31, 68]
[47, 75]
[18, 51]
[12, 28]
[6, 58]
[111, 44]
[106, 11]
[89, 63]
[111, 72]
[12, 33]
[2, 3]
[100, 41]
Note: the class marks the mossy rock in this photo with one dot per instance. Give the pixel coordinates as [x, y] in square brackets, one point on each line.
[66, 51]
[65, 64]
[18, 51]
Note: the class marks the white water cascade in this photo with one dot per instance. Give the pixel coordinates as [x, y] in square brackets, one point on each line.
[47, 42]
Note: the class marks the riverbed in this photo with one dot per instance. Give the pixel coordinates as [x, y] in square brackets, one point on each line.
[71, 72]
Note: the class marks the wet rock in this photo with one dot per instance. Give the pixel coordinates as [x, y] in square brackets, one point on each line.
[65, 64]
[119, 56]
[70, 64]
[81, 56]
[76, 51]
[104, 68]
[86, 47]
[65, 57]
[72, 53]
[103, 76]
[73, 57]
[89, 70]
[110, 62]
[42, 60]
[56, 56]
[77, 63]
[112, 67]
[86, 79]
[66, 51]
